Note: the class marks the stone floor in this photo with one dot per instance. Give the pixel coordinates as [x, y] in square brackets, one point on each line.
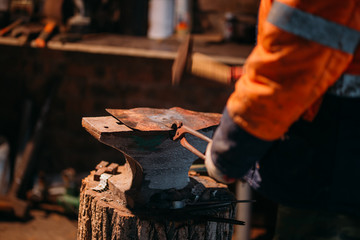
[54, 226]
[41, 226]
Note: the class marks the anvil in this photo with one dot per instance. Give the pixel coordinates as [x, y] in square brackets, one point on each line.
[156, 160]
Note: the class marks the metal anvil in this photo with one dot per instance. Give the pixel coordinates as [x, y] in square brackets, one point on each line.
[155, 148]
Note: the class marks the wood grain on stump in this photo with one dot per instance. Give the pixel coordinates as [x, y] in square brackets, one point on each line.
[104, 215]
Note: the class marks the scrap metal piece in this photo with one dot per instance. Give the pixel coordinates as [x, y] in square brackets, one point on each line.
[219, 219]
[103, 185]
[104, 167]
[152, 119]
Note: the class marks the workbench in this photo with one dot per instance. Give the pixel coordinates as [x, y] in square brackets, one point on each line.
[114, 44]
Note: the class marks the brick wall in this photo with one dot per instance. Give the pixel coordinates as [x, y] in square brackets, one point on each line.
[89, 83]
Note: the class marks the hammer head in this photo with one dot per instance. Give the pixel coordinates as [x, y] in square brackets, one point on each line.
[182, 60]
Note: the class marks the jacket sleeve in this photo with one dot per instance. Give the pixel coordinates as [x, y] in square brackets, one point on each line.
[284, 75]
[287, 72]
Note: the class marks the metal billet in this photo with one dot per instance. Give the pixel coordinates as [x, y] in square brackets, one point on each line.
[103, 185]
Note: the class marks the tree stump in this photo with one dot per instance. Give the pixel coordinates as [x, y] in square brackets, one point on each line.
[104, 215]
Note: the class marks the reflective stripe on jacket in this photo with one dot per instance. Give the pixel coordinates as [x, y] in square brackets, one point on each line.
[303, 48]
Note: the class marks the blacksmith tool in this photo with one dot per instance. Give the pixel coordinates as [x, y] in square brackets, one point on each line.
[154, 161]
[201, 65]
[181, 130]
[10, 27]
[45, 34]
[21, 12]
[201, 213]
[52, 15]
[13, 200]
[159, 146]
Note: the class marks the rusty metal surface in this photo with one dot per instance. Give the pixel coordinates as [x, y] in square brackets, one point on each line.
[180, 134]
[164, 163]
[152, 119]
[158, 162]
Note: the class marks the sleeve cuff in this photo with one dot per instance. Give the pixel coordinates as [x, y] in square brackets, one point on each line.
[234, 151]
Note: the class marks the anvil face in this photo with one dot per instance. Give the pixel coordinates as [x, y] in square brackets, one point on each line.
[152, 119]
[146, 137]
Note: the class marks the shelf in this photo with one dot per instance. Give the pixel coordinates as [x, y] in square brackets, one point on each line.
[229, 53]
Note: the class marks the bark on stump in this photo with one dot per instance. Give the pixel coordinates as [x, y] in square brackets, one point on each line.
[104, 216]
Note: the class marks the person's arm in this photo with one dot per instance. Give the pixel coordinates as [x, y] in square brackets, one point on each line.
[233, 151]
[291, 67]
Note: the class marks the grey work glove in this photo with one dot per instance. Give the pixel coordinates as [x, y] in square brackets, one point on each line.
[212, 170]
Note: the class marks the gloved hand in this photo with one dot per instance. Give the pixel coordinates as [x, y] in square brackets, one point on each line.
[212, 170]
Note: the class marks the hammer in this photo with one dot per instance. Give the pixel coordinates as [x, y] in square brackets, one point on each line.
[201, 65]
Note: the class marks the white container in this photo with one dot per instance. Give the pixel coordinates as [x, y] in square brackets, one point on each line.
[183, 19]
[161, 15]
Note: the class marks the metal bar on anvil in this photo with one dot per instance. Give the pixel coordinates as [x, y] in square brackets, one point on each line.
[153, 119]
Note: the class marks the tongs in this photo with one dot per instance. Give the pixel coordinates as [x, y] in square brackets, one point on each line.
[181, 130]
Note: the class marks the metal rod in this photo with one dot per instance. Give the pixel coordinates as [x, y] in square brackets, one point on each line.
[222, 220]
[192, 149]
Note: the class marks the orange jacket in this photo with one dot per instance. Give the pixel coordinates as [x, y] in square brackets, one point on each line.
[286, 73]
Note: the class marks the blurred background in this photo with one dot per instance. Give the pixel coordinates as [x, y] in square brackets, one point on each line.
[61, 60]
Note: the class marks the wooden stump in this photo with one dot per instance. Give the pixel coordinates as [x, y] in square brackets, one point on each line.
[103, 215]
